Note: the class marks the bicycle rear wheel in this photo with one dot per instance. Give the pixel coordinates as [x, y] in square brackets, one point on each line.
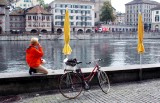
[70, 85]
[103, 81]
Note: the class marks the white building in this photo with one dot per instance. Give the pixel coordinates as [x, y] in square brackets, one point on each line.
[81, 15]
[144, 6]
[156, 18]
[25, 3]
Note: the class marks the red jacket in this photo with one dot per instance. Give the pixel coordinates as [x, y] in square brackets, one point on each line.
[33, 56]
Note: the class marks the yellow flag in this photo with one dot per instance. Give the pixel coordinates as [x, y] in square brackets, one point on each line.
[67, 49]
[140, 46]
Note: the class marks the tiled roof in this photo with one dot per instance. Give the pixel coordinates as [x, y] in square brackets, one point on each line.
[142, 2]
[156, 8]
[37, 10]
[3, 2]
[17, 12]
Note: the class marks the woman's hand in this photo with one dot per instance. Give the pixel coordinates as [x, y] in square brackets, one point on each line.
[39, 45]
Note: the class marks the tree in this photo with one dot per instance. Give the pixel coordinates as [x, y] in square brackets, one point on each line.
[107, 12]
[41, 2]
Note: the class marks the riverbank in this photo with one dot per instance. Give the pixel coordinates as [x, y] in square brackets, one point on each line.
[85, 36]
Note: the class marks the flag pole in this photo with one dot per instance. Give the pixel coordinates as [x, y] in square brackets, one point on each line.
[140, 71]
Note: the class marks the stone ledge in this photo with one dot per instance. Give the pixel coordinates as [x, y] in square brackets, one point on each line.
[16, 83]
[84, 70]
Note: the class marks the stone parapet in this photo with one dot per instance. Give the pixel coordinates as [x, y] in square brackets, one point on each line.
[16, 83]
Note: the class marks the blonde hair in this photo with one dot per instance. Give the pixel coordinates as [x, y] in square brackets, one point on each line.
[34, 40]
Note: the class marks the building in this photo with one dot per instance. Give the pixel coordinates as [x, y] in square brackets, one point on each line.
[4, 17]
[81, 15]
[144, 6]
[98, 5]
[17, 21]
[38, 20]
[120, 19]
[32, 20]
[25, 3]
[156, 18]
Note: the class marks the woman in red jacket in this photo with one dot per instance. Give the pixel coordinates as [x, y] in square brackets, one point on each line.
[34, 55]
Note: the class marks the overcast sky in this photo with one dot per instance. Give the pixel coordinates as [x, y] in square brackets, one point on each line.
[119, 5]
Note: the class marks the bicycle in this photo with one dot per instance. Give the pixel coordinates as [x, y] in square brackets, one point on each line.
[73, 81]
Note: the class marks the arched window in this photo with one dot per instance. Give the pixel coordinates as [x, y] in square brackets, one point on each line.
[156, 27]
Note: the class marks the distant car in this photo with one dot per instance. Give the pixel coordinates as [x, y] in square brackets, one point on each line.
[100, 30]
[103, 29]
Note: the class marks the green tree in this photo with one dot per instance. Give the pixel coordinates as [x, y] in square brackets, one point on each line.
[41, 2]
[107, 12]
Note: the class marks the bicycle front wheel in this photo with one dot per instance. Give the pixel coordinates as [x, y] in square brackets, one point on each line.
[103, 81]
[70, 85]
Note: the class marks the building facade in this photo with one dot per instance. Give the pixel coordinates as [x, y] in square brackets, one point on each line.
[133, 8]
[25, 3]
[81, 15]
[120, 19]
[4, 17]
[98, 5]
[38, 20]
[156, 18]
[17, 21]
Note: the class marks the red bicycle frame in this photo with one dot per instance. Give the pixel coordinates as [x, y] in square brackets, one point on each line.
[91, 75]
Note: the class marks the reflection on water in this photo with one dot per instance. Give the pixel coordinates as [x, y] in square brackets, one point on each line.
[115, 52]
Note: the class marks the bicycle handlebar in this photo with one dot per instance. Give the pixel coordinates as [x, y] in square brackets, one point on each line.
[79, 62]
[97, 60]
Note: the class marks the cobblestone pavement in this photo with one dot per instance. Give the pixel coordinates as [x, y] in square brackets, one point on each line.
[134, 92]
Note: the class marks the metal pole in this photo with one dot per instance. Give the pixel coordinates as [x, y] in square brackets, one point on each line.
[140, 71]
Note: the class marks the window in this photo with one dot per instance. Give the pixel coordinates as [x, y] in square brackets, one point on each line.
[78, 17]
[34, 25]
[58, 17]
[48, 24]
[11, 25]
[57, 23]
[48, 18]
[29, 18]
[43, 18]
[157, 12]
[29, 25]
[57, 5]
[72, 23]
[157, 18]
[78, 23]
[71, 17]
[26, 0]
[34, 18]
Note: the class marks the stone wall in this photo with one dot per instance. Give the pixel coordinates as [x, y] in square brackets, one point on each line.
[129, 35]
[16, 83]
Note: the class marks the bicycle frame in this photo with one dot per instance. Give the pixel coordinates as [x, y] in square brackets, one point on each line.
[90, 76]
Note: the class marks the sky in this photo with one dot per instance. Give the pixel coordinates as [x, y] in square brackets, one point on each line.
[119, 5]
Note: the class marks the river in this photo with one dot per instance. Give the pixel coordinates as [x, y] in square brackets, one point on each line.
[115, 52]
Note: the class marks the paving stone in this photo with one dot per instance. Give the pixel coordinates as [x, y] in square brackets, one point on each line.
[135, 92]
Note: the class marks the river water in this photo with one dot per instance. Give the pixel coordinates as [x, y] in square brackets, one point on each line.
[115, 52]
